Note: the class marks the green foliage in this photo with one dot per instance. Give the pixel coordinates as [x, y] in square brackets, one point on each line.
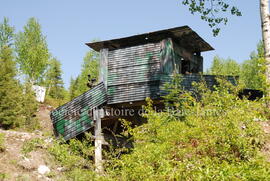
[56, 94]
[212, 137]
[2, 142]
[17, 103]
[10, 91]
[4, 176]
[75, 157]
[212, 12]
[224, 67]
[215, 138]
[30, 106]
[9, 87]
[32, 51]
[81, 175]
[6, 34]
[73, 88]
[31, 145]
[54, 81]
[90, 66]
[253, 70]
[57, 102]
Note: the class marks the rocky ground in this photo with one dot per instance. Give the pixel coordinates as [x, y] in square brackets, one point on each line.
[15, 164]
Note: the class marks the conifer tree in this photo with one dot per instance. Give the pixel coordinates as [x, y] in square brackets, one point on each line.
[54, 81]
[89, 67]
[10, 92]
[10, 96]
[18, 105]
[73, 88]
[6, 33]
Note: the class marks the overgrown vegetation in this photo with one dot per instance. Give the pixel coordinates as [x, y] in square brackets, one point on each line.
[76, 158]
[251, 72]
[90, 67]
[31, 145]
[213, 136]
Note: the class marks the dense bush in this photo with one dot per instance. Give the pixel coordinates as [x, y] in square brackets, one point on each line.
[203, 135]
[76, 157]
[215, 138]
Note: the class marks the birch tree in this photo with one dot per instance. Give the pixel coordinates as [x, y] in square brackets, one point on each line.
[32, 51]
[265, 22]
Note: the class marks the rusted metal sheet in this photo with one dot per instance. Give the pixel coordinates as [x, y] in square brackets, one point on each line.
[74, 117]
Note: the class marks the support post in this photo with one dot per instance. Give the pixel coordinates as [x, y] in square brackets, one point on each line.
[98, 142]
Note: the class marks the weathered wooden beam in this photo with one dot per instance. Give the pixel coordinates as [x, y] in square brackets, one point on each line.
[99, 140]
[103, 68]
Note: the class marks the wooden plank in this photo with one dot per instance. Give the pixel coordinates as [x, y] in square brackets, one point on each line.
[103, 70]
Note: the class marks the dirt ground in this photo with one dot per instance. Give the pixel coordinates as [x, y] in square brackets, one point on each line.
[14, 164]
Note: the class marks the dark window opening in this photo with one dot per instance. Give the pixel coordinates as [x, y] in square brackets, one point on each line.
[185, 67]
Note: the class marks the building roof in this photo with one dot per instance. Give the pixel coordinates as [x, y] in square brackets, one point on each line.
[184, 36]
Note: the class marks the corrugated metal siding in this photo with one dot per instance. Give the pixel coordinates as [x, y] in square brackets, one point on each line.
[133, 73]
[73, 118]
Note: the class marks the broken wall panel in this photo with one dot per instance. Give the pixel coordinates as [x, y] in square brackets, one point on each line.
[74, 118]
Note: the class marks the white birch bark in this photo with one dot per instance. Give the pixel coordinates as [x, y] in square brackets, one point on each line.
[265, 21]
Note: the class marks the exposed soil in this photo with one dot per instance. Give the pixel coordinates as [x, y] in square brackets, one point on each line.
[14, 164]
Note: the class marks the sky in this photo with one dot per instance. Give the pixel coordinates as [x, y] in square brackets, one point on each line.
[68, 25]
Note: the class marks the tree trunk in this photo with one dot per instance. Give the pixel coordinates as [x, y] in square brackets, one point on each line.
[265, 21]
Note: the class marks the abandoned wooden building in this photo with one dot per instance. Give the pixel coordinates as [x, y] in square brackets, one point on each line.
[132, 69]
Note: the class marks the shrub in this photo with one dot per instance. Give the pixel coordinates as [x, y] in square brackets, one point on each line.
[201, 135]
[31, 145]
[213, 138]
[76, 157]
[4, 176]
